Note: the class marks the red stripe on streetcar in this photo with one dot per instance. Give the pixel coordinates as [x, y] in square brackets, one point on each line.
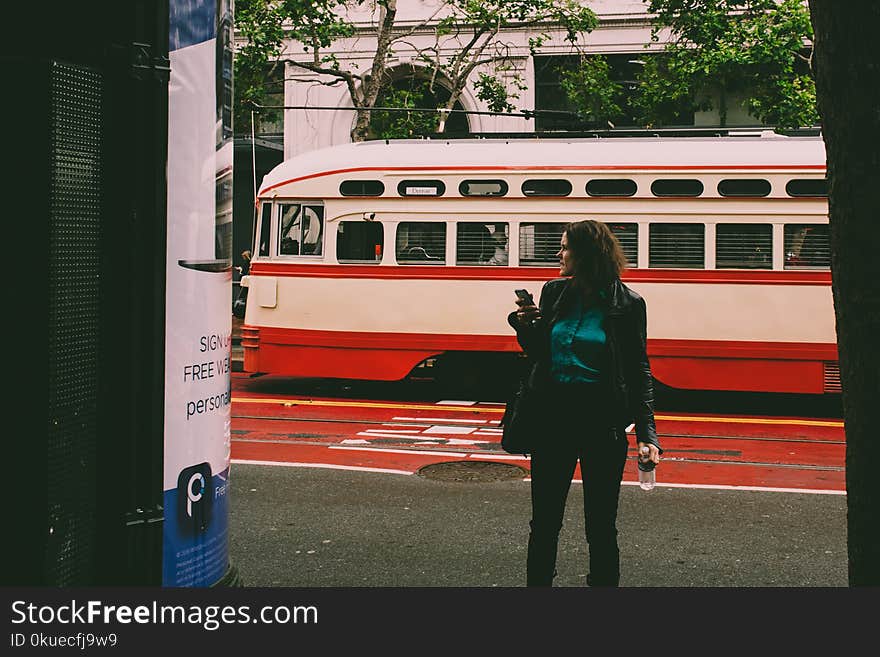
[422, 272]
[736, 349]
[688, 364]
[527, 168]
[733, 349]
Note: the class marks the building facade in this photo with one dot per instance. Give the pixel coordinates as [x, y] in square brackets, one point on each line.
[321, 114]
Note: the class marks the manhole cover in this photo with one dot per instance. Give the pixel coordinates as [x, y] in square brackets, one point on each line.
[478, 471]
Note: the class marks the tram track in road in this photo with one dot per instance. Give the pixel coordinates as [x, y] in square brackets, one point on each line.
[342, 420]
[494, 453]
[681, 449]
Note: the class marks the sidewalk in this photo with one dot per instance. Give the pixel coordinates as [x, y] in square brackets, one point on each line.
[323, 527]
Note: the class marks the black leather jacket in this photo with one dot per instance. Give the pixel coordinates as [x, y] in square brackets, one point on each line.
[627, 379]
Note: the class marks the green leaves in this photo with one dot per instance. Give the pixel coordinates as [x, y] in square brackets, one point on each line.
[493, 92]
[259, 22]
[400, 125]
[755, 50]
[591, 89]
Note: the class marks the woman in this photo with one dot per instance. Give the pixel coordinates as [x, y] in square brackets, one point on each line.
[588, 342]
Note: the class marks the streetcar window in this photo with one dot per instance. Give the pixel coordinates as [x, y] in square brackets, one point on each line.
[744, 187]
[300, 229]
[807, 246]
[546, 187]
[361, 188]
[539, 243]
[421, 188]
[481, 244]
[611, 187]
[676, 245]
[744, 246]
[482, 188]
[421, 242]
[676, 187]
[359, 242]
[265, 230]
[628, 236]
[807, 187]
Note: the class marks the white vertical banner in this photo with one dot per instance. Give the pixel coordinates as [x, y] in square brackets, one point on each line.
[198, 291]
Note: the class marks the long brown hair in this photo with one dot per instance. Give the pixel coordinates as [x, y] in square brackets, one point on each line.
[598, 257]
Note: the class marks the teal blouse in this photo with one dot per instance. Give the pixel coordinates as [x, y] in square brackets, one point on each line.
[577, 345]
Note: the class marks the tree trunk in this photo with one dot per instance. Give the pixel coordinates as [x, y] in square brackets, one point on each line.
[442, 117]
[848, 86]
[361, 125]
[372, 85]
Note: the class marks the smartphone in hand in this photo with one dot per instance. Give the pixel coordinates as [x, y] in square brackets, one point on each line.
[525, 296]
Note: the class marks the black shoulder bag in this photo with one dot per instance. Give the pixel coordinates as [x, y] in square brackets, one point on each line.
[521, 420]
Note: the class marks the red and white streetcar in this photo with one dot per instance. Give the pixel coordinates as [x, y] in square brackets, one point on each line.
[375, 258]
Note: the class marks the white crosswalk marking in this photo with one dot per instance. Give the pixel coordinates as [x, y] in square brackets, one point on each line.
[447, 420]
[439, 428]
[401, 431]
[378, 434]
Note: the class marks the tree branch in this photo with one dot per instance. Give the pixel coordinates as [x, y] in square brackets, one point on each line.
[345, 76]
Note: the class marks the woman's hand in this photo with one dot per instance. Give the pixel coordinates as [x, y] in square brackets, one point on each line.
[527, 314]
[653, 452]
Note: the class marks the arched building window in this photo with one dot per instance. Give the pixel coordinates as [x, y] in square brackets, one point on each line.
[409, 88]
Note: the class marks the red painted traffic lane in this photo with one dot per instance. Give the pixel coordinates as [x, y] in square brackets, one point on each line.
[385, 435]
[799, 453]
[713, 452]
[298, 408]
[813, 429]
[820, 454]
[669, 472]
[692, 462]
[735, 474]
[360, 409]
[294, 430]
[248, 401]
[406, 462]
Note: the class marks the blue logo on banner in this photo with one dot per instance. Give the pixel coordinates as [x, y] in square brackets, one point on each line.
[194, 503]
[196, 546]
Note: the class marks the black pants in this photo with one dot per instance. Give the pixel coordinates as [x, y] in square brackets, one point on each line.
[601, 451]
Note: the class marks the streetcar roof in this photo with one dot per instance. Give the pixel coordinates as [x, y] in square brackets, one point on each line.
[499, 155]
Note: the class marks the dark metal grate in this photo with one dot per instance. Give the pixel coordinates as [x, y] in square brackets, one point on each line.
[75, 194]
[832, 376]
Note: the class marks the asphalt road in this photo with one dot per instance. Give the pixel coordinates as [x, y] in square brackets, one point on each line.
[310, 527]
